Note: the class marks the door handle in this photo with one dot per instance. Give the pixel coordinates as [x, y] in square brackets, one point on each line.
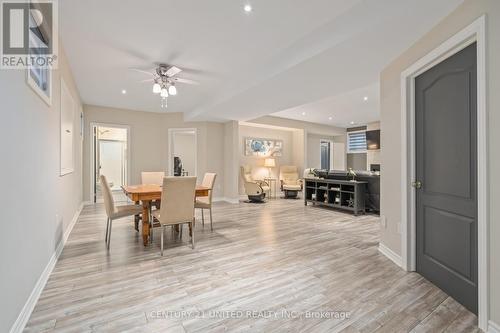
[417, 184]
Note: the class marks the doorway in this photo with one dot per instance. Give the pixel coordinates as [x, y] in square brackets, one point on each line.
[182, 152]
[110, 158]
[325, 154]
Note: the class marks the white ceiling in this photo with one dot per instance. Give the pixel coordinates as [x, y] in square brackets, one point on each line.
[286, 56]
[344, 110]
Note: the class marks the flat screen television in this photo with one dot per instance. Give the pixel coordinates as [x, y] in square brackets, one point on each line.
[373, 140]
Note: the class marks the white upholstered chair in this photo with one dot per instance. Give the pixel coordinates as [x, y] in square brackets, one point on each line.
[255, 189]
[178, 194]
[152, 178]
[155, 178]
[206, 202]
[115, 212]
[290, 182]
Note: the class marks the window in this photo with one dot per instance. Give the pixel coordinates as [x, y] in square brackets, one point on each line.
[356, 142]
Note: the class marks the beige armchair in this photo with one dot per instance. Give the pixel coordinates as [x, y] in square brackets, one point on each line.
[206, 202]
[290, 182]
[115, 212]
[255, 189]
[178, 194]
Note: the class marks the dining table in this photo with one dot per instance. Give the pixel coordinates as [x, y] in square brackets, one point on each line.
[145, 194]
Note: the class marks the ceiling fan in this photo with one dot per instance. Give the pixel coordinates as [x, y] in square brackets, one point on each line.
[164, 80]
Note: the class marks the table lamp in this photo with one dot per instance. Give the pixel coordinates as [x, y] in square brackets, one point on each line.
[269, 163]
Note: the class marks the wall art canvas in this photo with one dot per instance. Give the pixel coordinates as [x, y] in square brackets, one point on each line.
[263, 147]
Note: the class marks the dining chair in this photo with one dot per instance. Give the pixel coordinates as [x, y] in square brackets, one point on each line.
[177, 196]
[206, 202]
[115, 212]
[154, 177]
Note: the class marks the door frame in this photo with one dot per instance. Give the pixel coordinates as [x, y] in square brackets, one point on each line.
[92, 153]
[475, 32]
[171, 131]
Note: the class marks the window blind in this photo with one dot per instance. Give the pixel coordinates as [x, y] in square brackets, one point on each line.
[356, 142]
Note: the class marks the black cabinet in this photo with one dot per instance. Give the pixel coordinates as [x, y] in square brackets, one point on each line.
[341, 194]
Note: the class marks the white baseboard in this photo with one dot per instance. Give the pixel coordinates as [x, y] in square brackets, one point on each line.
[28, 307]
[493, 327]
[393, 256]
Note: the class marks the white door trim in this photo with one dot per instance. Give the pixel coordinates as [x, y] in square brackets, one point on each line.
[171, 131]
[92, 153]
[475, 32]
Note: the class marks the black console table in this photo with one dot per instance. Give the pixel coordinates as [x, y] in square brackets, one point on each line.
[341, 194]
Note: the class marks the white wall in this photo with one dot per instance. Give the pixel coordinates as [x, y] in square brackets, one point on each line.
[38, 205]
[149, 143]
[302, 130]
[300, 136]
[391, 125]
[231, 160]
[313, 149]
[299, 150]
[257, 163]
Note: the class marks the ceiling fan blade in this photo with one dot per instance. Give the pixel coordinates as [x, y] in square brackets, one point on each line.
[187, 81]
[172, 70]
[141, 71]
[147, 80]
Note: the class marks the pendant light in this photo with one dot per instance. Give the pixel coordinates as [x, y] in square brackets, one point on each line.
[156, 88]
[164, 92]
[172, 90]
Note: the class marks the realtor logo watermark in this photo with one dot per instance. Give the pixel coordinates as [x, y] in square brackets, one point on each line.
[29, 36]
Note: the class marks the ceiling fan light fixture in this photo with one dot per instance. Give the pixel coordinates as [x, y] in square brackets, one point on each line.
[172, 90]
[156, 88]
[164, 92]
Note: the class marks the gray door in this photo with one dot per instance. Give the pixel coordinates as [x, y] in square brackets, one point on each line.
[446, 148]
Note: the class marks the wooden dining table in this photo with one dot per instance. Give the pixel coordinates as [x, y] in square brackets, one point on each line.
[145, 193]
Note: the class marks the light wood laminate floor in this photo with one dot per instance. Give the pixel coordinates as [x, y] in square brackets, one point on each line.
[278, 256]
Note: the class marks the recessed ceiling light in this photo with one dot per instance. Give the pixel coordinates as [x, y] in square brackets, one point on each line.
[247, 8]
[303, 113]
[352, 123]
[330, 118]
[124, 91]
[365, 98]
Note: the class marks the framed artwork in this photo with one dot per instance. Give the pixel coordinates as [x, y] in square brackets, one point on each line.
[68, 108]
[40, 80]
[263, 147]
